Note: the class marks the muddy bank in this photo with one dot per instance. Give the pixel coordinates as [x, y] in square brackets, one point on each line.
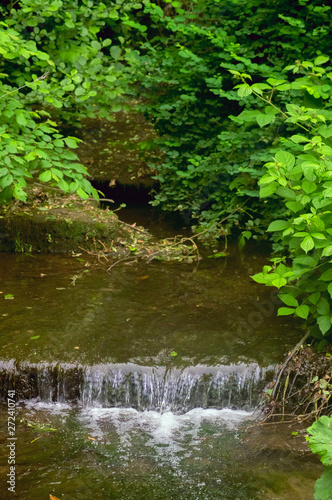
[52, 222]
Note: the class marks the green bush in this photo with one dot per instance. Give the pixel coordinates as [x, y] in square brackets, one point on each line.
[212, 154]
[301, 177]
[58, 64]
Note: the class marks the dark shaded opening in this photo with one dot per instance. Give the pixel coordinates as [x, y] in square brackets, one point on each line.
[123, 193]
[138, 209]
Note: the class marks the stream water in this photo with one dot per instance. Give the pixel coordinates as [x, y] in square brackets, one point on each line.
[144, 383]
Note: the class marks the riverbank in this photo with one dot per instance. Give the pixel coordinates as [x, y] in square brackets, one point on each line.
[302, 387]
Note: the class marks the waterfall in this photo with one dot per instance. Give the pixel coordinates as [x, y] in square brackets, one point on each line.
[129, 385]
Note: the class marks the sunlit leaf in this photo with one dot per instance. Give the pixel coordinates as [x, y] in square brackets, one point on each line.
[285, 311]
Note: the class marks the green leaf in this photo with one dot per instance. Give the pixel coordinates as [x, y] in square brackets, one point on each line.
[300, 234]
[62, 184]
[309, 171]
[263, 120]
[6, 181]
[95, 45]
[115, 52]
[327, 275]
[298, 139]
[35, 337]
[71, 143]
[302, 311]
[323, 307]
[321, 60]
[327, 251]
[279, 282]
[30, 156]
[21, 119]
[314, 297]
[244, 90]
[287, 193]
[294, 206]
[307, 244]
[286, 158]
[285, 311]
[266, 191]
[82, 193]
[288, 299]
[318, 236]
[260, 278]
[248, 115]
[278, 225]
[274, 82]
[173, 353]
[324, 323]
[107, 42]
[45, 176]
[78, 92]
[328, 193]
[309, 187]
[217, 255]
[323, 485]
[329, 289]
[135, 25]
[320, 441]
[19, 194]
[306, 260]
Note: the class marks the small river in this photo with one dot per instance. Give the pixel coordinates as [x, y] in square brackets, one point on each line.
[145, 383]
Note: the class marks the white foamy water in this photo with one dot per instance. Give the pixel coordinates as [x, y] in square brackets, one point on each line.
[52, 408]
[170, 435]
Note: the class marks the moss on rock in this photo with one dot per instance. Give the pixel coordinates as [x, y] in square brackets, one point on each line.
[61, 224]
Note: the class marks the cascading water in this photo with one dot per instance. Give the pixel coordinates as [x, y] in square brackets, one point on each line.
[140, 387]
[104, 411]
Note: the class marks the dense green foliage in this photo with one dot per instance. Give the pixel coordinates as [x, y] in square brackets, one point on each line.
[239, 93]
[214, 153]
[301, 176]
[51, 53]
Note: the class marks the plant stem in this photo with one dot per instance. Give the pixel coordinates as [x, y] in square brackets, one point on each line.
[45, 75]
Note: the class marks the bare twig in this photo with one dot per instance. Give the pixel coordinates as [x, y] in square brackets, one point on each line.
[223, 220]
[282, 369]
[45, 75]
[120, 260]
[135, 228]
[103, 199]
